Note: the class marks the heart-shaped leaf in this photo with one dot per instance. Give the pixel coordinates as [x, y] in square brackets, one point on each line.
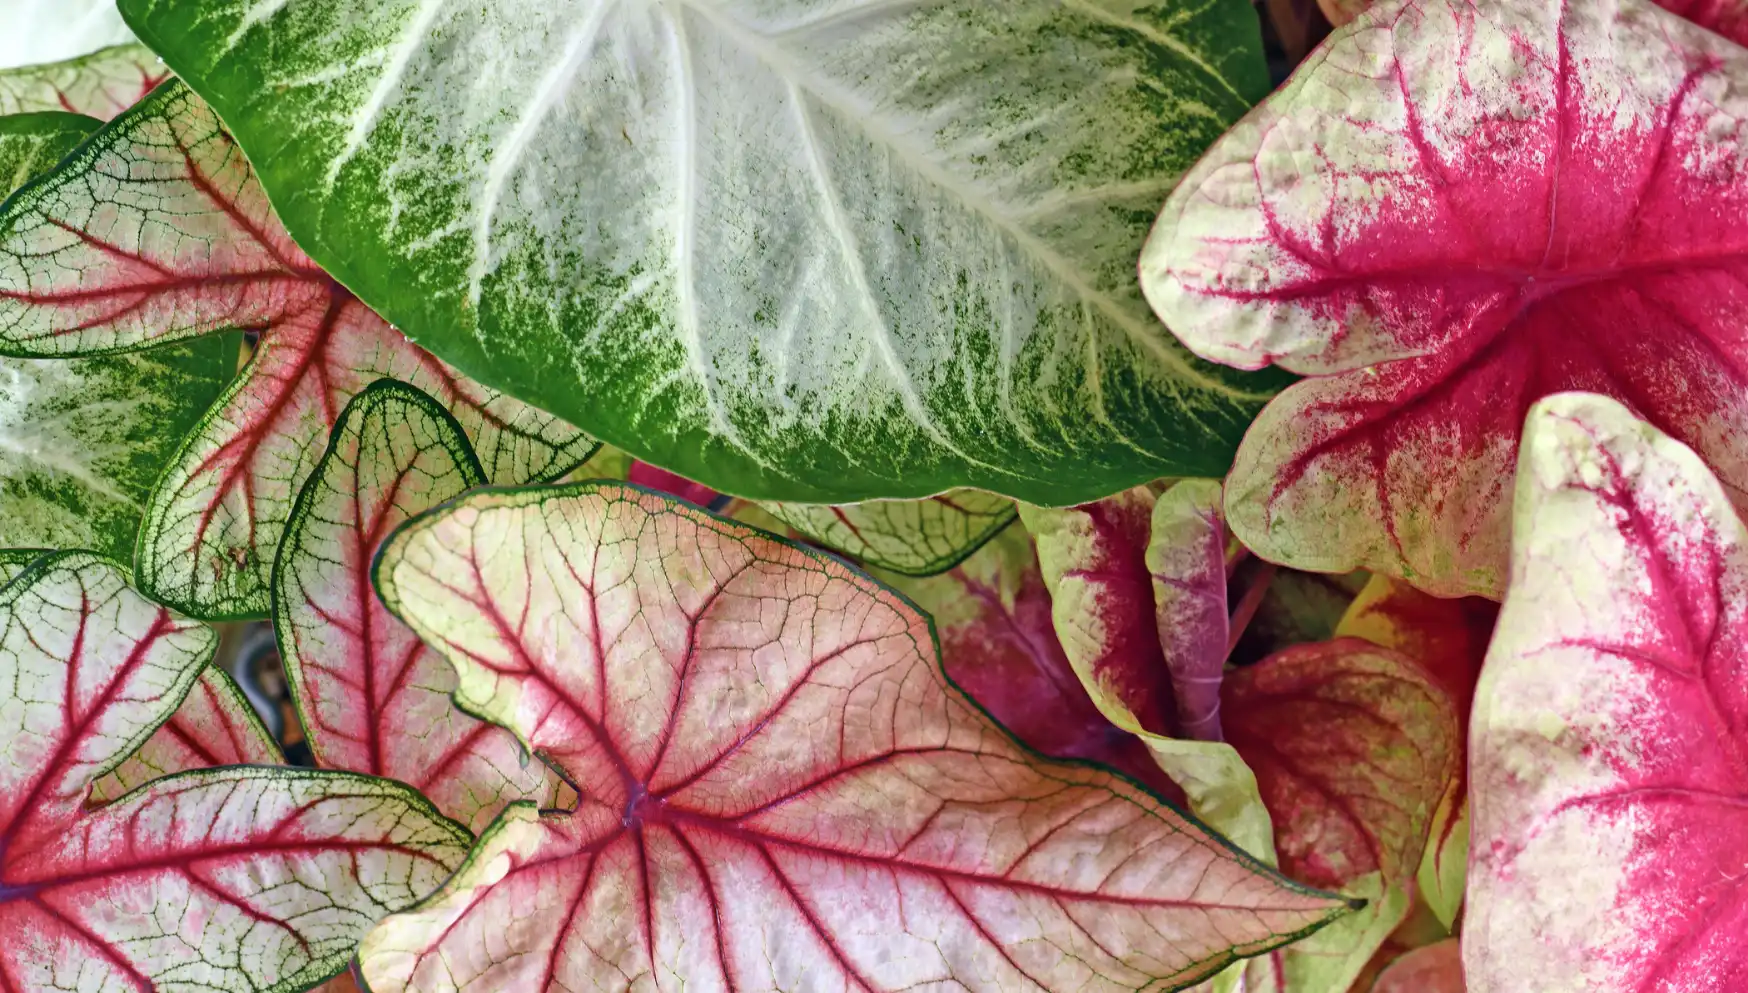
[992, 614]
[245, 878]
[1447, 639]
[1454, 209]
[372, 697]
[825, 252]
[780, 790]
[1608, 778]
[909, 537]
[1353, 746]
[82, 442]
[100, 85]
[186, 245]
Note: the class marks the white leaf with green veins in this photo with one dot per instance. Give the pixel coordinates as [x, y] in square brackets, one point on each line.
[806, 250]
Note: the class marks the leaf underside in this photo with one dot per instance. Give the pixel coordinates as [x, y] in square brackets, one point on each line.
[823, 252]
[845, 821]
[910, 537]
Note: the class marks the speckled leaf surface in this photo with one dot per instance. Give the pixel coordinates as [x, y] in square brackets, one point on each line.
[1447, 639]
[101, 84]
[1726, 17]
[1353, 745]
[909, 537]
[1452, 210]
[82, 442]
[1606, 745]
[245, 878]
[809, 250]
[371, 696]
[845, 821]
[213, 726]
[158, 231]
[38, 31]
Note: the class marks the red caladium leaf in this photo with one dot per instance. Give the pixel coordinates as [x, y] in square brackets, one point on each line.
[187, 245]
[1352, 745]
[240, 878]
[214, 726]
[780, 789]
[1452, 210]
[998, 644]
[1726, 17]
[101, 84]
[1437, 968]
[1186, 556]
[1447, 639]
[1607, 767]
[371, 696]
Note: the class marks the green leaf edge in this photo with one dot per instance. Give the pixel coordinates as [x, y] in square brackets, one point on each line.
[382, 560]
[933, 567]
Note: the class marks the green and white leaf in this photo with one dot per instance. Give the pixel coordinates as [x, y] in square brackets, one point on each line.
[792, 249]
[15, 560]
[910, 537]
[82, 441]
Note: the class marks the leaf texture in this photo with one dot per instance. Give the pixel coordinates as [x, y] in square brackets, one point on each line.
[1454, 209]
[245, 878]
[844, 821]
[371, 696]
[100, 84]
[1606, 756]
[157, 231]
[214, 726]
[811, 251]
[910, 537]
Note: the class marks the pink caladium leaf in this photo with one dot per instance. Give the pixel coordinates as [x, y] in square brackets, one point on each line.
[780, 789]
[1436, 968]
[1353, 746]
[1726, 17]
[1447, 639]
[998, 644]
[243, 878]
[1186, 556]
[909, 537]
[371, 696]
[1452, 210]
[1607, 769]
[101, 84]
[214, 726]
[157, 230]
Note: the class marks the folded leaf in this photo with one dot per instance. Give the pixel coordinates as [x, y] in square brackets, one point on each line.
[1447, 639]
[1186, 556]
[241, 878]
[1606, 761]
[823, 252]
[189, 245]
[844, 820]
[101, 84]
[1352, 746]
[910, 537]
[82, 442]
[998, 644]
[1434, 969]
[372, 698]
[1455, 209]
[215, 725]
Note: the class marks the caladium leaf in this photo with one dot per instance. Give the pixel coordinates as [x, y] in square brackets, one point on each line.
[914, 272]
[1353, 745]
[1186, 556]
[214, 726]
[1441, 240]
[371, 696]
[15, 560]
[1726, 17]
[998, 644]
[100, 85]
[844, 821]
[1436, 968]
[188, 245]
[909, 537]
[240, 878]
[1447, 639]
[1606, 769]
[39, 31]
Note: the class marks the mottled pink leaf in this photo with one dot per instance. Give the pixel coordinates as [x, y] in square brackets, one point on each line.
[998, 644]
[244, 878]
[1607, 760]
[215, 725]
[157, 230]
[1447, 639]
[1437, 968]
[1452, 210]
[1186, 555]
[371, 696]
[1352, 745]
[1726, 17]
[780, 790]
